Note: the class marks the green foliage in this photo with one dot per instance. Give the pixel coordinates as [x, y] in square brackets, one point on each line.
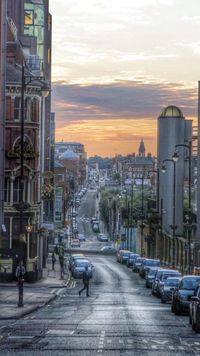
[130, 208]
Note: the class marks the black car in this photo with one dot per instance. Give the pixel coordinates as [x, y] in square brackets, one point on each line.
[181, 296]
[194, 317]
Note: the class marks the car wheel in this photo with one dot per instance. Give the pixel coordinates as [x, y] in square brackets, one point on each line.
[193, 325]
[190, 320]
[197, 328]
[177, 310]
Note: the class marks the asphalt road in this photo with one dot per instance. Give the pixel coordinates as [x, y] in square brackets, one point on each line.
[120, 317]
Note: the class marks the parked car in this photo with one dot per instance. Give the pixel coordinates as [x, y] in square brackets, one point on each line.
[157, 278]
[123, 256]
[75, 243]
[146, 264]
[181, 295]
[131, 259]
[164, 276]
[103, 238]
[150, 276]
[79, 268]
[137, 263]
[194, 316]
[81, 237]
[73, 258]
[108, 249]
[169, 284]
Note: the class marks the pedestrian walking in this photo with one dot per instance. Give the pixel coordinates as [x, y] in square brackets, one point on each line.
[86, 282]
[53, 259]
[20, 271]
[61, 260]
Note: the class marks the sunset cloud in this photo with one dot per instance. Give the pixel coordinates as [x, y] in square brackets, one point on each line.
[117, 63]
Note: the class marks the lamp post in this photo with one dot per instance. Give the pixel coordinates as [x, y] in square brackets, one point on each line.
[110, 217]
[173, 226]
[175, 158]
[142, 208]
[25, 81]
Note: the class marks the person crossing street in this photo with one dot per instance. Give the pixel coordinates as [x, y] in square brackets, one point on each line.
[86, 282]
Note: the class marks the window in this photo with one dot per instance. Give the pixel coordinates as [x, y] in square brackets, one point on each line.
[8, 108]
[35, 110]
[28, 17]
[17, 108]
[7, 190]
[60, 177]
[16, 190]
[27, 109]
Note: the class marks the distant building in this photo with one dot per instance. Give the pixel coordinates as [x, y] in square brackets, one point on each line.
[73, 151]
[132, 165]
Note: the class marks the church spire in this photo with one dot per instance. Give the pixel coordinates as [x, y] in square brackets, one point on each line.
[141, 149]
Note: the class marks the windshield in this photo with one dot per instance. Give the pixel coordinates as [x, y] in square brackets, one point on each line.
[172, 282]
[165, 276]
[125, 254]
[190, 283]
[82, 264]
[139, 260]
[151, 263]
[152, 273]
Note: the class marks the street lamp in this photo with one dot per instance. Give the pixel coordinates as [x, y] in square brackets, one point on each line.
[26, 80]
[189, 220]
[142, 225]
[173, 226]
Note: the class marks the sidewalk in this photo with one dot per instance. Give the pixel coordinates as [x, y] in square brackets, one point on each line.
[36, 295]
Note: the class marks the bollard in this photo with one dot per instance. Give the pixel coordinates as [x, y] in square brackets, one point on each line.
[21, 292]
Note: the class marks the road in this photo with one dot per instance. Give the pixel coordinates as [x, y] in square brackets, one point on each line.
[120, 317]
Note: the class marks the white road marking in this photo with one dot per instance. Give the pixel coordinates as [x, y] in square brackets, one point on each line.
[101, 343]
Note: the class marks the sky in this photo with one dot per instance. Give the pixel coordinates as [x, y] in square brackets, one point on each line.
[116, 64]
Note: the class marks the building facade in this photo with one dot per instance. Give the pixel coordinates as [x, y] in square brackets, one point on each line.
[27, 113]
[173, 130]
[3, 11]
